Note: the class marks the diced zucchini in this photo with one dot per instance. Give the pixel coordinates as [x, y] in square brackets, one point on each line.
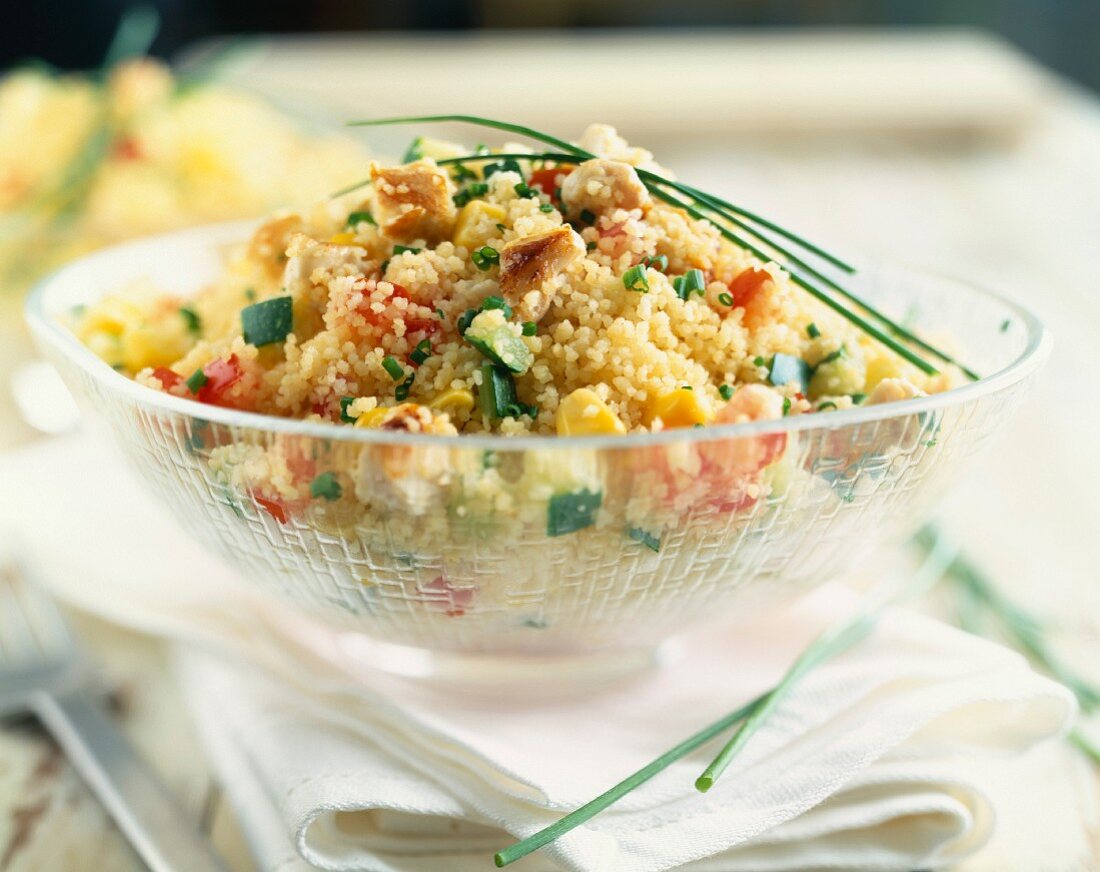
[787, 368]
[494, 337]
[268, 321]
[569, 512]
[497, 393]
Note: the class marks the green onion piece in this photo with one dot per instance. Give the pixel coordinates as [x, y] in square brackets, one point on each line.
[497, 392]
[196, 381]
[401, 249]
[786, 406]
[508, 165]
[501, 228]
[829, 358]
[414, 151]
[653, 543]
[463, 172]
[396, 371]
[812, 331]
[497, 303]
[634, 279]
[569, 512]
[422, 352]
[485, 258]
[725, 299]
[385, 263]
[660, 262]
[268, 321]
[725, 391]
[587, 217]
[546, 207]
[461, 198]
[326, 487]
[465, 319]
[1005, 324]
[858, 398]
[401, 392]
[345, 402]
[525, 190]
[530, 328]
[441, 314]
[758, 361]
[359, 217]
[691, 282]
[192, 320]
[786, 368]
[828, 404]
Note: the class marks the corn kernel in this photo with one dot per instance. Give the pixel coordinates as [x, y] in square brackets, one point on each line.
[582, 413]
[678, 408]
[344, 238]
[879, 368]
[476, 223]
[154, 345]
[372, 418]
[453, 401]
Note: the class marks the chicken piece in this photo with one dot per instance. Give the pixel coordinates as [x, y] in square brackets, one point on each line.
[414, 202]
[310, 266]
[602, 186]
[527, 262]
[270, 241]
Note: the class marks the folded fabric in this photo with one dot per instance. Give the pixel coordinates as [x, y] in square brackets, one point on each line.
[864, 766]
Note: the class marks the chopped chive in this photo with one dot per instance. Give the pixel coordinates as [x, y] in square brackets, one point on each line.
[812, 331]
[422, 352]
[485, 258]
[829, 358]
[786, 368]
[442, 316]
[465, 320]
[590, 246]
[463, 172]
[546, 207]
[192, 320]
[401, 392]
[691, 282]
[659, 263]
[414, 151]
[587, 217]
[858, 398]
[470, 192]
[725, 299]
[530, 328]
[508, 165]
[359, 217]
[326, 487]
[197, 380]
[828, 404]
[758, 361]
[501, 228]
[497, 392]
[786, 406]
[634, 279]
[570, 512]
[401, 249]
[396, 371]
[653, 543]
[497, 303]
[385, 263]
[346, 402]
[725, 391]
[525, 190]
[268, 321]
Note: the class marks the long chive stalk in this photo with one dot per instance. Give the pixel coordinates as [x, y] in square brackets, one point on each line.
[833, 642]
[838, 638]
[802, 273]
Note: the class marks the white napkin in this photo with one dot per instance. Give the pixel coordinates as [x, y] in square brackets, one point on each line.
[863, 767]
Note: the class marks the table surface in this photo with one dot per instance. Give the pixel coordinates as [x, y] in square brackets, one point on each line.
[1022, 216]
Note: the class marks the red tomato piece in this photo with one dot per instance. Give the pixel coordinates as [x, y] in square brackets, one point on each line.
[221, 375]
[544, 180]
[746, 283]
[276, 508]
[167, 377]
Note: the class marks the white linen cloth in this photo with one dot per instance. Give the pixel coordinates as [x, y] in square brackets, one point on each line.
[865, 766]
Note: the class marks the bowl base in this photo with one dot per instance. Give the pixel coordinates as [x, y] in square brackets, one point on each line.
[536, 675]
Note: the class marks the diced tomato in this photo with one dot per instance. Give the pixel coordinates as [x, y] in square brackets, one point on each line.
[276, 508]
[544, 180]
[430, 326]
[440, 595]
[746, 283]
[127, 148]
[221, 375]
[167, 377]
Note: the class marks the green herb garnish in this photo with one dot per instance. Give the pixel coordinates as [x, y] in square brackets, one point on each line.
[395, 369]
[422, 352]
[828, 404]
[192, 320]
[725, 298]
[345, 402]
[530, 328]
[653, 543]
[485, 258]
[470, 192]
[567, 513]
[401, 392]
[858, 398]
[268, 321]
[546, 207]
[326, 486]
[634, 279]
[496, 303]
[725, 391]
[401, 249]
[359, 217]
[587, 217]
[463, 172]
[525, 190]
[196, 381]
[829, 358]
[659, 263]
[758, 361]
[812, 331]
[509, 165]
[497, 391]
[691, 282]
[786, 406]
[414, 151]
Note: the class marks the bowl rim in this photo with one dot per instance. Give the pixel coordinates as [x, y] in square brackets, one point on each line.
[48, 329]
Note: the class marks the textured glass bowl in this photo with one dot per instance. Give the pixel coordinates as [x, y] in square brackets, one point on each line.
[467, 544]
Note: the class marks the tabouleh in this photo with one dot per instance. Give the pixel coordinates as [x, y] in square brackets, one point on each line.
[503, 295]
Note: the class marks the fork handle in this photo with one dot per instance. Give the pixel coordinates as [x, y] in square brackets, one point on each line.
[148, 816]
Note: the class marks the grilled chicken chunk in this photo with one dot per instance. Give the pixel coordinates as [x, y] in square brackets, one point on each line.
[526, 263]
[414, 202]
[604, 185]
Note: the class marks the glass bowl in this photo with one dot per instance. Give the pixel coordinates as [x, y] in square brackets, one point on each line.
[492, 552]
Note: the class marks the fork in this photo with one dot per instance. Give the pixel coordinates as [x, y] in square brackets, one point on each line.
[40, 673]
